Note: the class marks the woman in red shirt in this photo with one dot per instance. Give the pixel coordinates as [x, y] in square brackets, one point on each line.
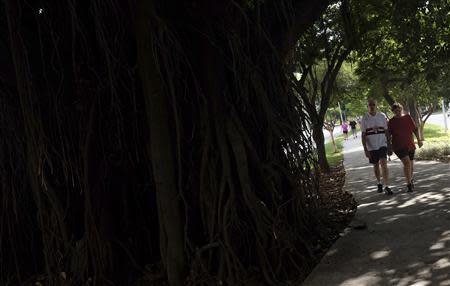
[401, 128]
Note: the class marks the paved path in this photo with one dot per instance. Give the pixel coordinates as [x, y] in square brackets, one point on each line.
[407, 239]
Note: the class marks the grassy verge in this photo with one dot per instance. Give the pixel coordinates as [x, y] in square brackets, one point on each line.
[436, 145]
[434, 133]
[335, 158]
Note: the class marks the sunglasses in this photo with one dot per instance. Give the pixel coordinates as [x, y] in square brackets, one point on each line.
[372, 104]
[396, 107]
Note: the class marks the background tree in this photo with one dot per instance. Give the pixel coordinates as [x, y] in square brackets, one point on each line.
[404, 49]
[419, 96]
[321, 53]
[351, 92]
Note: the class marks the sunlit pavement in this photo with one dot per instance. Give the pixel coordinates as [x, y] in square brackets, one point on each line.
[407, 239]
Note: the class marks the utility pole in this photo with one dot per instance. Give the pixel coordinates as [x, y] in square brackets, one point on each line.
[340, 112]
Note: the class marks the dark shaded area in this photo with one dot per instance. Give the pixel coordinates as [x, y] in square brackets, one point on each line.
[401, 239]
[143, 143]
[337, 208]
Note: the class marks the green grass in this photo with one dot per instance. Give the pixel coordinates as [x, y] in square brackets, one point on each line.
[433, 132]
[436, 145]
[335, 158]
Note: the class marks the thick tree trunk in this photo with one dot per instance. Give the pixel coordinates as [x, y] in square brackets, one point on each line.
[320, 145]
[421, 136]
[161, 149]
[412, 108]
[414, 112]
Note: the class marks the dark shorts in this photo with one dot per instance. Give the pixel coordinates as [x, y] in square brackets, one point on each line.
[376, 155]
[402, 153]
[345, 132]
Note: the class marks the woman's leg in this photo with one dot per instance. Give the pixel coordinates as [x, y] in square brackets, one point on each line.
[407, 169]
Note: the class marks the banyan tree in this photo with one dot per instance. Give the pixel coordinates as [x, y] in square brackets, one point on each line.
[148, 141]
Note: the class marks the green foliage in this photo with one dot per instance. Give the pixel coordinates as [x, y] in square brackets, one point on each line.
[404, 48]
[322, 39]
[318, 58]
[352, 93]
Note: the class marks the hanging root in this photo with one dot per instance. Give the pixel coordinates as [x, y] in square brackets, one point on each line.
[75, 167]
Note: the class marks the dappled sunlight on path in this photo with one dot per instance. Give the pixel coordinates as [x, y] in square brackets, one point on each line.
[406, 240]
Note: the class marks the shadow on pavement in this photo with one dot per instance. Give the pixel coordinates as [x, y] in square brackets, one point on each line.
[406, 240]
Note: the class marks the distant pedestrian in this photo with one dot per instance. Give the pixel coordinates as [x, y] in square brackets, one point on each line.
[401, 129]
[344, 128]
[352, 124]
[374, 139]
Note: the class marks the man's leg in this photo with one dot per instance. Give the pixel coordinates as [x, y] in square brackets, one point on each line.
[384, 171]
[376, 170]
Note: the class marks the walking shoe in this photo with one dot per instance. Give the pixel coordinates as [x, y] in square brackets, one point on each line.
[380, 188]
[388, 191]
[409, 188]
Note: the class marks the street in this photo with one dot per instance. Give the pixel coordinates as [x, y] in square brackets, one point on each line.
[438, 118]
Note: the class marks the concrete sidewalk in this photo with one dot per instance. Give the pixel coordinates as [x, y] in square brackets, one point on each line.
[407, 239]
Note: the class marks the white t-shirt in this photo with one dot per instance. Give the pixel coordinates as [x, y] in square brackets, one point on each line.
[375, 127]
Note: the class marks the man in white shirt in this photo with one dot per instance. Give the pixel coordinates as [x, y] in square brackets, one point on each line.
[375, 141]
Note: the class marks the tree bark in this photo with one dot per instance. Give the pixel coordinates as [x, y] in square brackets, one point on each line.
[412, 107]
[320, 145]
[385, 92]
[161, 148]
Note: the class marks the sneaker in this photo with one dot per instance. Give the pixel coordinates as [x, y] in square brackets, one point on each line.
[380, 188]
[409, 188]
[388, 191]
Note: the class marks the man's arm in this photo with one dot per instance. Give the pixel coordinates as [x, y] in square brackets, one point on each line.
[363, 140]
[387, 133]
[388, 141]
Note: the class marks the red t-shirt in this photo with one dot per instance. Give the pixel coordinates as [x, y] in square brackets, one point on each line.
[401, 129]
